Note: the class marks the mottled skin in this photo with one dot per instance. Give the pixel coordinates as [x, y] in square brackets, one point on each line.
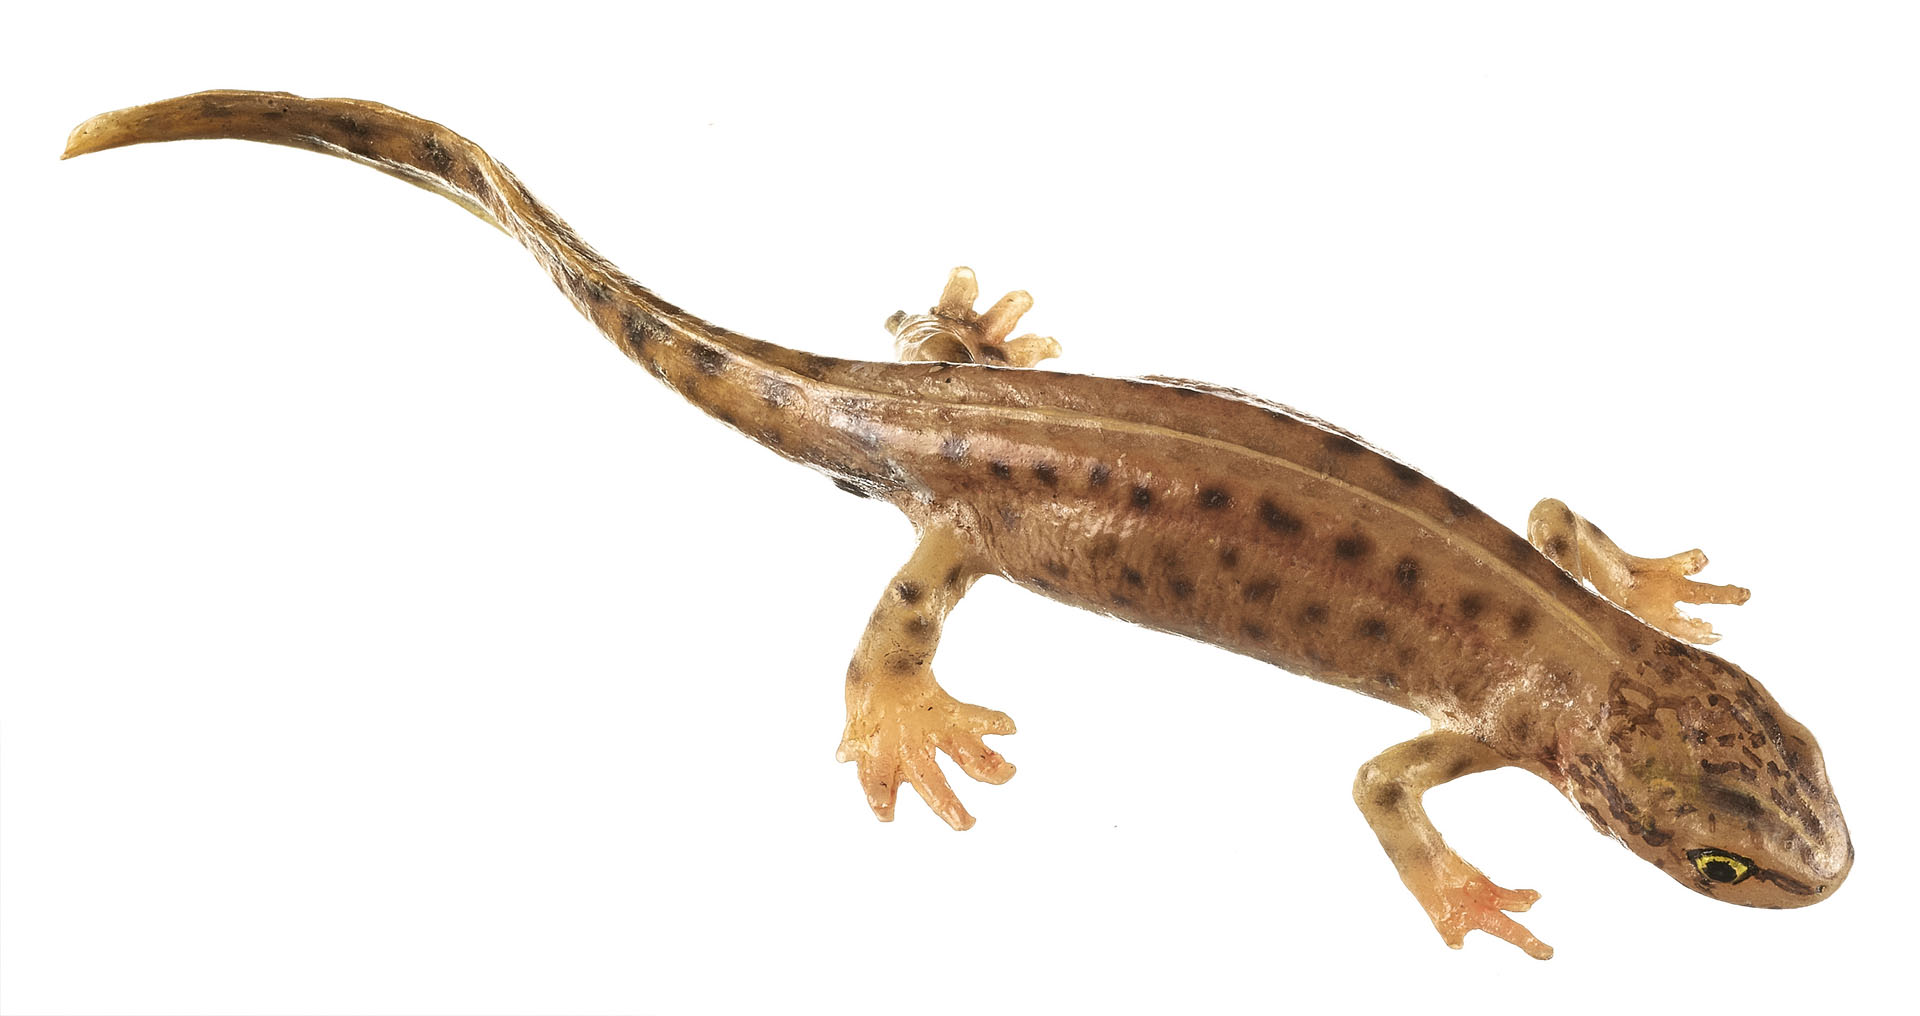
[1203, 511]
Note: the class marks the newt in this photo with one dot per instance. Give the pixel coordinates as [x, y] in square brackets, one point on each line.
[1207, 512]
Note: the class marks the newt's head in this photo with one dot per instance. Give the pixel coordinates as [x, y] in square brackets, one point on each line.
[1699, 771]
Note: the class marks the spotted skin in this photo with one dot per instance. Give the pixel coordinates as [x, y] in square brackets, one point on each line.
[1203, 511]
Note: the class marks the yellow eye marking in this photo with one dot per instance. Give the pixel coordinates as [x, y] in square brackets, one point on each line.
[1720, 865]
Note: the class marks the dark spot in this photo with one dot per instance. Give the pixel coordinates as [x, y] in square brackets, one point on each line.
[1458, 506]
[904, 663]
[953, 577]
[1187, 393]
[909, 592]
[1259, 589]
[1557, 547]
[1046, 473]
[1119, 601]
[1213, 499]
[919, 627]
[1180, 588]
[1315, 613]
[1097, 475]
[709, 360]
[1671, 647]
[1404, 473]
[1276, 519]
[1388, 796]
[992, 354]
[1000, 469]
[1229, 558]
[1473, 605]
[1041, 584]
[1056, 569]
[435, 155]
[1372, 628]
[1729, 801]
[1387, 679]
[1133, 578]
[1340, 444]
[773, 437]
[1253, 631]
[848, 485]
[1520, 622]
[1353, 547]
[953, 449]
[1459, 767]
[1407, 573]
[1142, 497]
[778, 394]
[723, 416]
[349, 125]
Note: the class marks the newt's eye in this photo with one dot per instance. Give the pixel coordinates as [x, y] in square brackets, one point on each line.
[1720, 865]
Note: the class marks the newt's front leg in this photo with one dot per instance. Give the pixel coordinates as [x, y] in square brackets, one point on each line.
[1457, 897]
[1649, 587]
[897, 715]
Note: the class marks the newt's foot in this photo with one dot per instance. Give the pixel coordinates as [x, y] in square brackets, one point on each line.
[1659, 585]
[1461, 899]
[1650, 587]
[892, 734]
[952, 332]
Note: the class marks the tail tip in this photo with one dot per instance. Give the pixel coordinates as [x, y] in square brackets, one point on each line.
[91, 136]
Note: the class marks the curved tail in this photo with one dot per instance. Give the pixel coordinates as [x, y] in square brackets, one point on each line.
[426, 155]
[780, 397]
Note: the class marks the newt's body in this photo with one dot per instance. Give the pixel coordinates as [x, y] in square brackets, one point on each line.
[1202, 511]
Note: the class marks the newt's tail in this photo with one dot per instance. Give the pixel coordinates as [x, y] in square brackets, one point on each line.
[778, 396]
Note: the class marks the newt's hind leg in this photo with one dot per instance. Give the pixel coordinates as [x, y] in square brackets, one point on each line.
[1649, 587]
[952, 332]
[897, 715]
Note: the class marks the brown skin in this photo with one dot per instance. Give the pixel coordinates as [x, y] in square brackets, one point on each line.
[1199, 510]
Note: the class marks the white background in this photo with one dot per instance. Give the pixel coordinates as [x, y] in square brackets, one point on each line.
[376, 640]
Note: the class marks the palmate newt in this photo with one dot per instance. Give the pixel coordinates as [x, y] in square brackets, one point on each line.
[1204, 511]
